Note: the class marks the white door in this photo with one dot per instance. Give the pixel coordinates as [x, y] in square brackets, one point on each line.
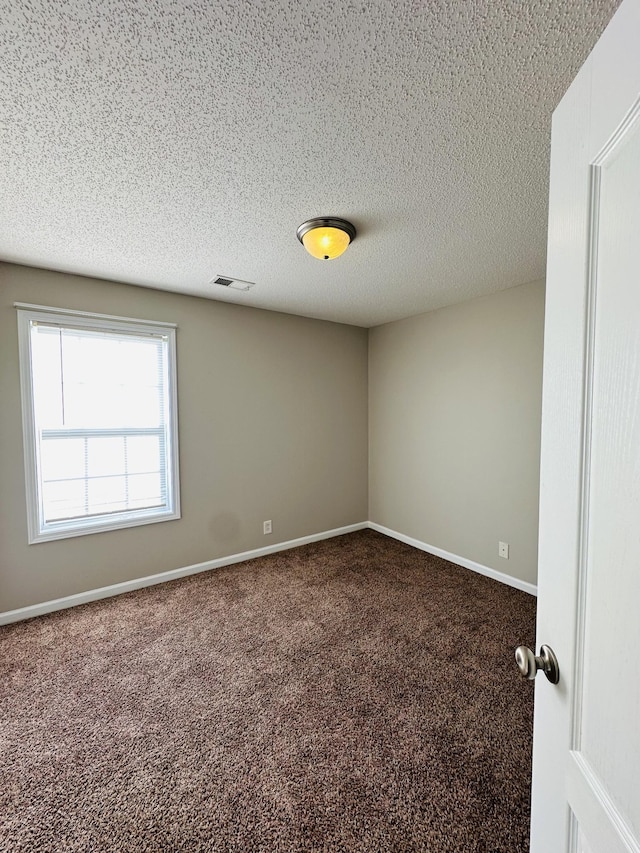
[586, 757]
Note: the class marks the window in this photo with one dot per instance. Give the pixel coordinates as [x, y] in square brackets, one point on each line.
[99, 421]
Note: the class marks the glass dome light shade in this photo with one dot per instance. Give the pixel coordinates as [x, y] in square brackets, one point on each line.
[326, 238]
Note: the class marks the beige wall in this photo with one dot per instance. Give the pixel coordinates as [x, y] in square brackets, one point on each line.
[454, 427]
[272, 422]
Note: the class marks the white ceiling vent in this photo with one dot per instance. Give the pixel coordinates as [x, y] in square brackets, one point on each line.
[232, 283]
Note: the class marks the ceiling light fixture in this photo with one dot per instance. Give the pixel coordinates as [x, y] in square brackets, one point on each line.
[326, 237]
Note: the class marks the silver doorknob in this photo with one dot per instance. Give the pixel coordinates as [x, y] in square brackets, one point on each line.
[529, 664]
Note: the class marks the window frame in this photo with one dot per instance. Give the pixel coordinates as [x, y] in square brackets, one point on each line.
[38, 529]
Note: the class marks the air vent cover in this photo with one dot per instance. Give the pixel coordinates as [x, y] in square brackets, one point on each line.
[232, 283]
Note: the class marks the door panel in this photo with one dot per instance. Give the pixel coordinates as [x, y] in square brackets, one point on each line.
[608, 733]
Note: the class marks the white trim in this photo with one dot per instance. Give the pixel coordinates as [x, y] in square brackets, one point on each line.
[70, 312]
[138, 583]
[28, 430]
[460, 561]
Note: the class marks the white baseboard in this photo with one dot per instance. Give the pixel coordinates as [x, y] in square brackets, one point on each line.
[138, 583]
[460, 561]
[127, 586]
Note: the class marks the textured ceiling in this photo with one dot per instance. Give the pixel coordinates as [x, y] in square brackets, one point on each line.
[162, 143]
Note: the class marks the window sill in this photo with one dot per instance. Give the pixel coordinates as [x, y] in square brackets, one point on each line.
[52, 532]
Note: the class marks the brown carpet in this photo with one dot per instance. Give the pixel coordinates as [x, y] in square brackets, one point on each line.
[351, 695]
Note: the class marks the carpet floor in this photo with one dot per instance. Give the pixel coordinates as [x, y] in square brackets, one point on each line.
[351, 695]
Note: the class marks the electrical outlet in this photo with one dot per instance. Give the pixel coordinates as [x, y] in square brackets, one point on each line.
[503, 550]
[266, 527]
